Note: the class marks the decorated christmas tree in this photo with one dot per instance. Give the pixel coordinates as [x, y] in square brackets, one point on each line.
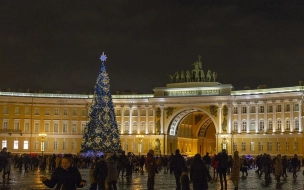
[101, 132]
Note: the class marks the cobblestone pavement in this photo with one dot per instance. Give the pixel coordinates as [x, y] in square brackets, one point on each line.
[30, 181]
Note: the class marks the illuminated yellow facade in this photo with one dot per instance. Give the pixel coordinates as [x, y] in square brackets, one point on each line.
[196, 117]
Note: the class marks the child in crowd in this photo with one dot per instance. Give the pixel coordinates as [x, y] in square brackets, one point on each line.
[185, 181]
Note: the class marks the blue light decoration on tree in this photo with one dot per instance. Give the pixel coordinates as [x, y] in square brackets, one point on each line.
[101, 132]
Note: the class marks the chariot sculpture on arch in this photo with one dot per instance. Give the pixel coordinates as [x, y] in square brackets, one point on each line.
[194, 75]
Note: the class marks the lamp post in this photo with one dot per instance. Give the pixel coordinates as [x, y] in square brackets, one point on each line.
[140, 140]
[42, 135]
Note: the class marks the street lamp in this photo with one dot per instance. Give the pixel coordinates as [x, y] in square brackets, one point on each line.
[140, 140]
[42, 135]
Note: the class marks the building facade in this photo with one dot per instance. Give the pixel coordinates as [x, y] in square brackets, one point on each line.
[196, 117]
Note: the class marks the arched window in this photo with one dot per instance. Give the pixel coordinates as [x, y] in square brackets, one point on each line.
[252, 125]
[287, 125]
[296, 124]
[270, 125]
[134, 127]
[235, 126]
[142, 127]
[244, 126]
[126, 127]
[279, 126]
[261, 125]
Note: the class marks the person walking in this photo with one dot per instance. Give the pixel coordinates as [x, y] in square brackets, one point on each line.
[112, 173]
[3, 161]
[177, 164]
[284, 165]
[222, 167]
[278, 167]
[294, 164]
[122, 163]
[65, 177]
[101, 173]
[151, 167]
[235, 171]
[184, 180]
[207, 160]
[8, 166]
[199, 174]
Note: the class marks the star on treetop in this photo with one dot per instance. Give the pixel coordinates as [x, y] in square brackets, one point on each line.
[103, 57]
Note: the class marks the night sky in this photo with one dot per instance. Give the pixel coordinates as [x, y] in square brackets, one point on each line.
[55, 45]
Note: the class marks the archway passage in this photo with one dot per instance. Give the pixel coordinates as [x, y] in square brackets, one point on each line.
[192, 131]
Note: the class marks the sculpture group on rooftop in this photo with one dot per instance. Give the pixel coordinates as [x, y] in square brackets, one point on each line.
[195, 75]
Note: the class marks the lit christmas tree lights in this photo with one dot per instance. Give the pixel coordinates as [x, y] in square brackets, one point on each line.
[101, 132]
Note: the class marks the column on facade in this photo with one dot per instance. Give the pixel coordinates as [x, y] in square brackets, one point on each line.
[248, 117]
[265, 116]
[239, 117]
[229, 118]
[291, 117]
[154, 123]
[283, 117]
[162, 120]
[122, 120]
[274, 117]
[300, 116]
[220, 118]
[130, 120]
[138, 119]
[256, 118]
[147, 119]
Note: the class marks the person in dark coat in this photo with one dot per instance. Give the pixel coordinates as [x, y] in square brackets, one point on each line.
[3, 161]
[151, 167]
[199, 174]
[177, 164]
[101, 173]
[112, 173]
[184, 180]
[65, 177]
[222, 167]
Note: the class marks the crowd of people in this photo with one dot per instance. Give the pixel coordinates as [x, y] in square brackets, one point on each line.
[105, 170]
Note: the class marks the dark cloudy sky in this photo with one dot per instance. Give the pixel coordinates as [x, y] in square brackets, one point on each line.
[56, 44]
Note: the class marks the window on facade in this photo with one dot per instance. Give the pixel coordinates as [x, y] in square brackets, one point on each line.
[55, 145]
[287, 126]
[126, 146]
[235, 110]
[74, 112]
[295, 146]
[47, 111]
[16, 145]
[279, 125]
[36, 127]
[270, 109]
[287, 146]
[74, 127]
[64, 145]
[150, 112]
[252, 109]
[244, 126]
[126, 113]
[36, 111]
[46, 145]
[234, 146]
[270, 125]
[278, 146]
[56, 127]
[83, 125]
[235, 126]
[47, 127]
[126, 127]
[261, 125]
[143, 112]
[296, 107]
[251, 146]
[56, 111]
[26, 127]
[244, 109]
[17, 125]
[73, 145]
[118, 113]
[261, 109]
[269, 146]
[65, 127]
[36, 145]
[296, 124]
[5, 110]
[134, 128]
[243, 146]
[260, 146]
[4, 143]
[27, 111]
[25, 145]
[84, 113]
[17, 110]
[150, 128]
[135, 113]
[142, 127]
[279, 108]
[252, 125]
[65, 111]
[5, 124]
[287, 107]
